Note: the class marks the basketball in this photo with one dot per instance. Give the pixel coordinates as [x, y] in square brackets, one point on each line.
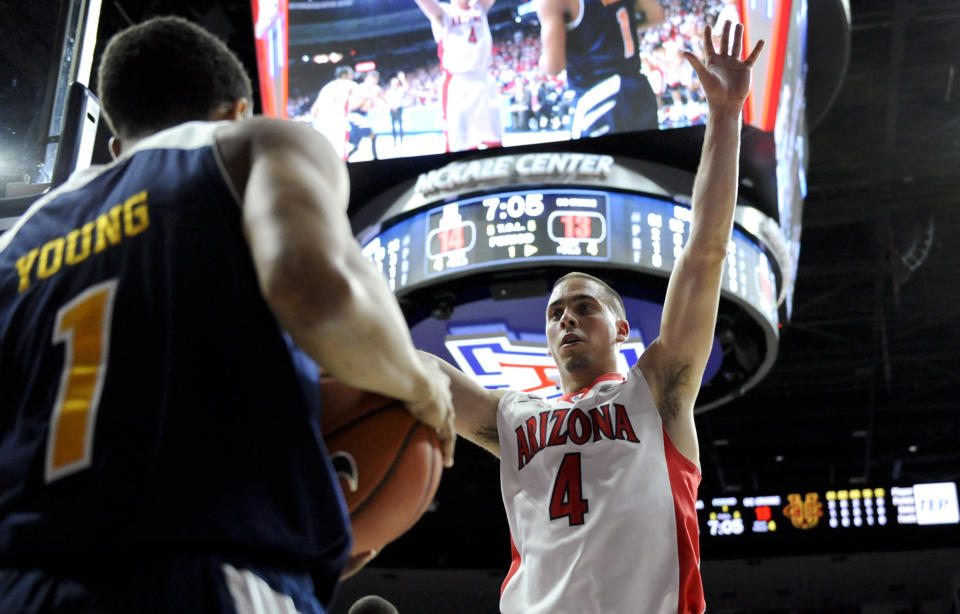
[388, 462]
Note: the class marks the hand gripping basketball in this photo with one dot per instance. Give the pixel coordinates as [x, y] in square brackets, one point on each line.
[435, 407]
[388, 462]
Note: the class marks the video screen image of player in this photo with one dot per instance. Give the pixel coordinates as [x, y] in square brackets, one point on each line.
[396, 78]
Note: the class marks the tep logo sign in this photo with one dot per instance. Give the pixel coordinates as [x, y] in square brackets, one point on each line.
[495, 360]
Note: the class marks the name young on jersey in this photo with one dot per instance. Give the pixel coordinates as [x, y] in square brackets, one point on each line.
[121, 221]
[573, 425]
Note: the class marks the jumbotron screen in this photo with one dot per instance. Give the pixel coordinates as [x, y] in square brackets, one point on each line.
[373, 76]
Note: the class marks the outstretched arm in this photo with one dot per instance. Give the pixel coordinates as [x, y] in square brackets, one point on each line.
[476, 407]
[330, 299]
[553, 36]
[653, 13]
[675, 361]
[431, 8]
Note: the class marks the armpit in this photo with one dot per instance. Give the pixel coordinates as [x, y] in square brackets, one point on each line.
[487, 436]
[674, 378]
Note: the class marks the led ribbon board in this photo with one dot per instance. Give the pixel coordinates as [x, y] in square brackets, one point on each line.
[575, 227]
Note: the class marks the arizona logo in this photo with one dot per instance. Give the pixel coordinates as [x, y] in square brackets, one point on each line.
[555, 428]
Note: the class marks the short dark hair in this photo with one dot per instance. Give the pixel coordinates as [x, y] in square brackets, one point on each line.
[343, 71]
[164, 72]
[613, 299]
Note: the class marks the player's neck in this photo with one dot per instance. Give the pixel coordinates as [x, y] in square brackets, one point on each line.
[572, 383]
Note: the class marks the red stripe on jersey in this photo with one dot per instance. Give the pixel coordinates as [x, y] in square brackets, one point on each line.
[684, 480]
[346, 133]
[778, 50]
[514, 565]
[748, 105]
[444, 92]
[606, 377]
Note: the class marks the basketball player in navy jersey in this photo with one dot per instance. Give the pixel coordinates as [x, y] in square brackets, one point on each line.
[599, 486]
[161, 322]
[596, 42]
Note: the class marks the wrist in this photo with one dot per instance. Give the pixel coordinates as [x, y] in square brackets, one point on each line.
[419, 380]
[725, 112]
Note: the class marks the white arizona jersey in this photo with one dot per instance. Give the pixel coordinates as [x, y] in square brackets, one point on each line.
[463, 39]
[601, 505]
[330, 113]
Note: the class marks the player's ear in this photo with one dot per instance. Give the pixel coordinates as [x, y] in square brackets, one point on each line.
[238, 109]
[115, 147]
[623, 331]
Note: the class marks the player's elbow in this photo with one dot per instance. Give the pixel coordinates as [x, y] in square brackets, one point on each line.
[705, 255]
[551, 65]
[303, 292]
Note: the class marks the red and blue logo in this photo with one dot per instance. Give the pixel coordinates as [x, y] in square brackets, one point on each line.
[496, 360]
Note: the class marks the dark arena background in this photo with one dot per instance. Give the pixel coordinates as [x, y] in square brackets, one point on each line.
[829, 420]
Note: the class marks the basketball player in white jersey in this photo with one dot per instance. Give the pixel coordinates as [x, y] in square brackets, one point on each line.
[600, 486]
[329, 111]
[469, 99]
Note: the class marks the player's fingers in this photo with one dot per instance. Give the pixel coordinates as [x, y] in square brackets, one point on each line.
[448, 439]
[708, 49]
[737, 41]
[698, 66]
[725, 38]
[754, 54]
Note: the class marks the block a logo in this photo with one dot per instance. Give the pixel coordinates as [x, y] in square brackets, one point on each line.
[495, 360]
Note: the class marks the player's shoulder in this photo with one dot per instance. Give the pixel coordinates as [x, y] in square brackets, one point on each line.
[242, 143]
[255, 136]
[508, 400]
[262, 129]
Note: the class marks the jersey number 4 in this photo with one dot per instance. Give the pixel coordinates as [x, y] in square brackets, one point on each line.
[83, 326]
[567, 499]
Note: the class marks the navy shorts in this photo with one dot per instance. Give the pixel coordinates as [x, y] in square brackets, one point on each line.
[615, 104]
[168, 585]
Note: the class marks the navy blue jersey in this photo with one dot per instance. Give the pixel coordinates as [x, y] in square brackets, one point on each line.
[148, 399]
[602, 42]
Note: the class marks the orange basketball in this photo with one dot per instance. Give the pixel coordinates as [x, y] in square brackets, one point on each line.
[389, 463]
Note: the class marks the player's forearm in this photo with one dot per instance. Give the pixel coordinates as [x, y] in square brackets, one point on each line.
[431, 8]
[715, 187]
[552, 64]
[476, 406]
[361, 338]
[553, 37]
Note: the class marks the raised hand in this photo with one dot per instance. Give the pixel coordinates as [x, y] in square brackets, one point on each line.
[725, 78]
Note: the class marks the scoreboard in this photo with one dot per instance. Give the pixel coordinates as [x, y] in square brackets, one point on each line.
[871, 516]
[575, 227]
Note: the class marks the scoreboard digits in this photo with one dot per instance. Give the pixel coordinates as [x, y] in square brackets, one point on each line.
[569, 226]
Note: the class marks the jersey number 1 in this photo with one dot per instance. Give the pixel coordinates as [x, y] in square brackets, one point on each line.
[567, 498]
[83, 326]
[624, 20]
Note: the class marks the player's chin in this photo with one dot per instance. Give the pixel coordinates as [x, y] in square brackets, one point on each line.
[574, 362]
